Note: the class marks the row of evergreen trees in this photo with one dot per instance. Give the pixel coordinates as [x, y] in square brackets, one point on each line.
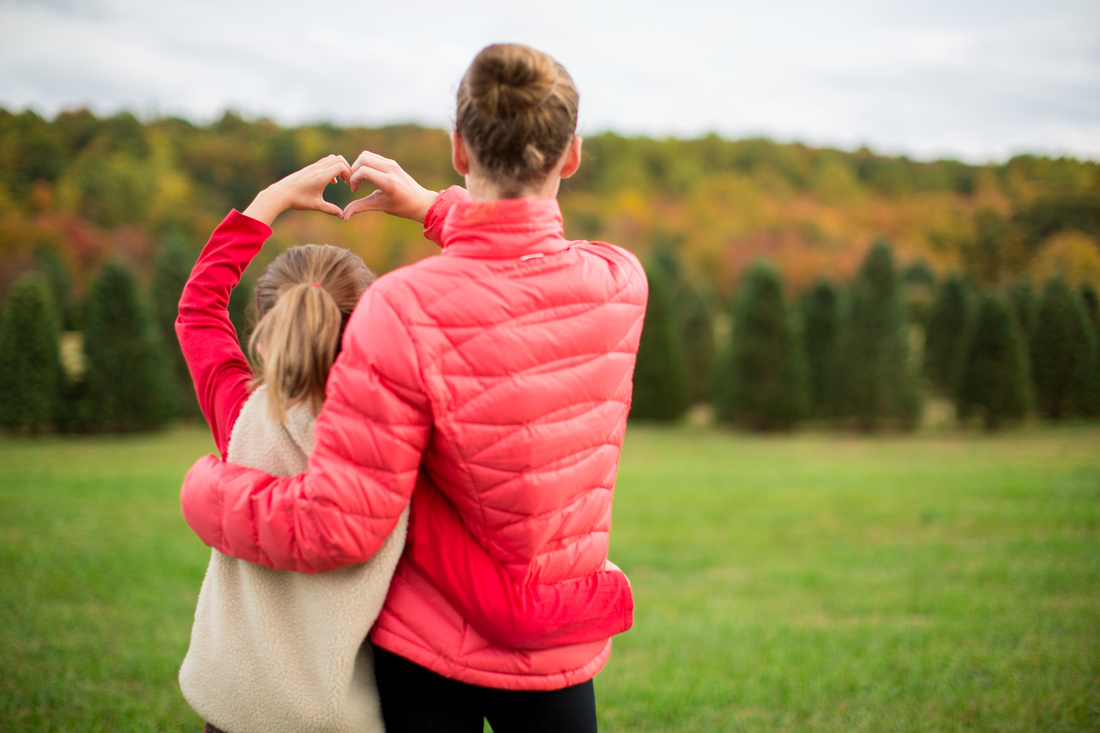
[852, 357]
[1006, 353]
[849, 356]
[126, 372]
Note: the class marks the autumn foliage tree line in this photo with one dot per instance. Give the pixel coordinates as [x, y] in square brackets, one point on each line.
[787, 283]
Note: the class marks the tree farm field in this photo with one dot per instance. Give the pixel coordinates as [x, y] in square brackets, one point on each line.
[943, 581]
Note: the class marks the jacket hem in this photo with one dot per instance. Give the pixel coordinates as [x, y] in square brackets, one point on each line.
[433, 660]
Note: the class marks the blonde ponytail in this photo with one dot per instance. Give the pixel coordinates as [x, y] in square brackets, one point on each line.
[304, 298]
[295, 345]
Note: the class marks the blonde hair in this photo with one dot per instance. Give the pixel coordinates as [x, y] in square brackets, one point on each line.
[517, 113]
[303, 299]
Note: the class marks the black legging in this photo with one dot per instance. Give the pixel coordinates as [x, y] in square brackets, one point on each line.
[415, 700]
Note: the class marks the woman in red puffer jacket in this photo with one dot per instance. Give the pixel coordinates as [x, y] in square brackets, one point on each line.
[490, 387]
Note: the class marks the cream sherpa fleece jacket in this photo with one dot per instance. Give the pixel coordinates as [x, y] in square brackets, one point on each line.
[281, 651]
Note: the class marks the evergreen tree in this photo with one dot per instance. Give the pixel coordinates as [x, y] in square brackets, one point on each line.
[692, 323]
[877, 386]
[945, 339]
[240, 306]
[820, 324]
[128, 385]
[919, 273]
[1064, 355]
[993, 380]
[918, 288]
[57, 276]
[1091, 302]
[660, 376]
[30, 363]
[764, 385]
[172, 268]
[1021, 296]
[697, 335]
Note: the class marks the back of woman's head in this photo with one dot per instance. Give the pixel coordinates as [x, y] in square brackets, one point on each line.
[517, 113]
[303, 300]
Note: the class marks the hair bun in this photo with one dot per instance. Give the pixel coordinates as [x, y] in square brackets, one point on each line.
[509, 79]
[517, 113]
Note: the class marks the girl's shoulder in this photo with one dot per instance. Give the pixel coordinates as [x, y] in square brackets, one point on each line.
[279, 448]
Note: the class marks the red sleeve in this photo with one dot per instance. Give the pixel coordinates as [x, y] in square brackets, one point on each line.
[437, 214]
[219, 369]
[368, 441]
[513, 615]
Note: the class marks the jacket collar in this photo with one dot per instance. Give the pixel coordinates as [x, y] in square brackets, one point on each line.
[505, 229]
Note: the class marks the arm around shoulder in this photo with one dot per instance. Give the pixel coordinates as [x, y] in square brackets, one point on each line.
[369, 439]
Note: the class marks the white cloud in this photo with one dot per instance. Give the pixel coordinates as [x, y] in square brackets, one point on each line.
[975, 80]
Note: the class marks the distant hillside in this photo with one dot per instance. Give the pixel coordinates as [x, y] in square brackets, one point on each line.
[82, 189]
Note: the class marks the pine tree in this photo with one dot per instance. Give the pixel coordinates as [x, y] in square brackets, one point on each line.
[1091, 301]
[692, 324]
[240, 301]
[697, 336]
[1064, 360]
[172, 268]
[1021, 297]
[54, 269]
[30, 363]
[919, 273]
[128, 385]
[877, 387]
[820, 324]
[918, 284]
[994, 377]
[945, 340]
[660, 376]
[764, 384]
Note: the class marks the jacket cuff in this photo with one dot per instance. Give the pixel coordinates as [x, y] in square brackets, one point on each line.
[237, 219]
[437, 214]
[200, 503]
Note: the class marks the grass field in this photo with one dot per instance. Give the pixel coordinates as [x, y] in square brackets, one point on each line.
[941, 582]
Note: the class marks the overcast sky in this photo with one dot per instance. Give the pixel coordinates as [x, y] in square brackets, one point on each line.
[977, 80]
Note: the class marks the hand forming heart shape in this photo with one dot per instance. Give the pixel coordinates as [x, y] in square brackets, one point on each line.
[395, 190]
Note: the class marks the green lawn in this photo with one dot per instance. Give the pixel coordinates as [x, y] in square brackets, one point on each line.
[811, 582]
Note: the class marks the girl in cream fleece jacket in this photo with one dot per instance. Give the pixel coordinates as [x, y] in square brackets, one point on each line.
[273, 650]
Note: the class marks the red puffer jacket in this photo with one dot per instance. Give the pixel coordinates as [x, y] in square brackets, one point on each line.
[495, 379]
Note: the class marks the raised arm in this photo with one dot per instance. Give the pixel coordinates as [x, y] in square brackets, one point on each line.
[209, 342]
[218, 367]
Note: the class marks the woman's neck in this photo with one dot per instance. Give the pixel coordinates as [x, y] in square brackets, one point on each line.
[482, 188]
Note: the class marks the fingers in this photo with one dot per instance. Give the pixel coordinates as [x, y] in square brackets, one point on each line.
[370, 175]
[331, 168]
[304, 190]
[343, 170]
[370, 167]
[374, 160]
[368, 203]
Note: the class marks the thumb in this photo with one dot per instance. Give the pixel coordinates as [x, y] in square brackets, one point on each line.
[369, 203]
